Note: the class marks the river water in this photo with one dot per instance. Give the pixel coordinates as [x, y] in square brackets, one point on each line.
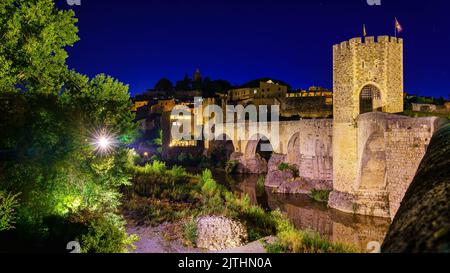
[308, 214]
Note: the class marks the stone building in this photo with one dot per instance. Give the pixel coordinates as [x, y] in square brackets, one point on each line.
[163, 105]
[313, 91]
[198, 76]
[139, 104]
[266, 90]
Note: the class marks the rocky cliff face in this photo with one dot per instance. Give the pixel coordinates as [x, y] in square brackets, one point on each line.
[422, 223]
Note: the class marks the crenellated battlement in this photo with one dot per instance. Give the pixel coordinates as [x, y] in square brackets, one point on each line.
[359, 41]
[367, 77]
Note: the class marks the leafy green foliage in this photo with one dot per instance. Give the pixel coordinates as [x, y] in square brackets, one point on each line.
[287, 167]
[107, 235]
[231, 166]
[292, 240]
[320, 195]
[158, 140]
[48, 116]
[190, 232]
[32, 52]
[8, 205]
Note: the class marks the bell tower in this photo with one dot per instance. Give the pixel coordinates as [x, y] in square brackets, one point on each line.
[198, 76]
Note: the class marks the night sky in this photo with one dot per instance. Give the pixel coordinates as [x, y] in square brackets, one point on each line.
[141, 41]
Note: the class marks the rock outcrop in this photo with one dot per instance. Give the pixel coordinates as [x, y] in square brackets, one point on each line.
[254, 165]
[275, 179]
[285, 182]
[220, 233]
[422, 223]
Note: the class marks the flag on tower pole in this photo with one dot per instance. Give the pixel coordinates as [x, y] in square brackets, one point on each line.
[398, 27]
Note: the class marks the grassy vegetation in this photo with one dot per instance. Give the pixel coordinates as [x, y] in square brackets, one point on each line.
[260, 186]
[292, 240]
[190, 232]
[287, 167]
[320, 195]
[159, 195]
[8, 206]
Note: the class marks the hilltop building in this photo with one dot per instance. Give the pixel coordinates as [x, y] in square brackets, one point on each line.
[265, 90]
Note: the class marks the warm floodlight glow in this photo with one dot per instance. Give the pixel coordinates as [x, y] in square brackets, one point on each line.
[103, 142]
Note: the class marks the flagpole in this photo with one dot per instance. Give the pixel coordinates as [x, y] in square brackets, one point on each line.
[395, 28]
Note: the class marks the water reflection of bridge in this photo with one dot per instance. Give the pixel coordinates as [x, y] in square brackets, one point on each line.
[307, 214]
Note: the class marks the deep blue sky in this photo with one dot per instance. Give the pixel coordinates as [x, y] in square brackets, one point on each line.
[141, 41]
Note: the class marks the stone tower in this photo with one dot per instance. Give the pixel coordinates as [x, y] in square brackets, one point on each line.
[198, 76]
[367, 77]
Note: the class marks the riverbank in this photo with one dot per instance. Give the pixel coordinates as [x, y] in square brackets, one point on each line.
[155, 240]
[160, 195]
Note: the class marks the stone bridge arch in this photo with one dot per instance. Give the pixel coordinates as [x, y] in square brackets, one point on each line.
[222, 147]
[258, 144]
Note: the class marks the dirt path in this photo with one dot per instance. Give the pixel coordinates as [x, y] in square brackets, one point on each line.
[152, 240]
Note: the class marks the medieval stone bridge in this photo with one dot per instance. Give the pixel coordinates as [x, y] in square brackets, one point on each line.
[389, 150]
[306, 143]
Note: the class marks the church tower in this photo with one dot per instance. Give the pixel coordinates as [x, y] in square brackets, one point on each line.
[198, 76]
[367, 77]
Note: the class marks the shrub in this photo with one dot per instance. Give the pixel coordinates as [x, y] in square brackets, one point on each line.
[287, 167]
[154, 158]
[8, 206]
[276, 247]
[156, 167]
[106, 234]
[320, 195]
[209, 188]
[183, 157]
[231, 166]
[190, 232]
[178, 172]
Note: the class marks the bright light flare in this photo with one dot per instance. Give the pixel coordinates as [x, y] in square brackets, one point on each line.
[103, 142]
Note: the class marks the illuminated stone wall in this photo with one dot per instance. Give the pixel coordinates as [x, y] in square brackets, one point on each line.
[357, 64]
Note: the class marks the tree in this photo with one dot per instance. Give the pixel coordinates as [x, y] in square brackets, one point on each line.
[222, 86]
[164, 85]
[32, 50]
[185, 84]
[67, 189]
[211, 88]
